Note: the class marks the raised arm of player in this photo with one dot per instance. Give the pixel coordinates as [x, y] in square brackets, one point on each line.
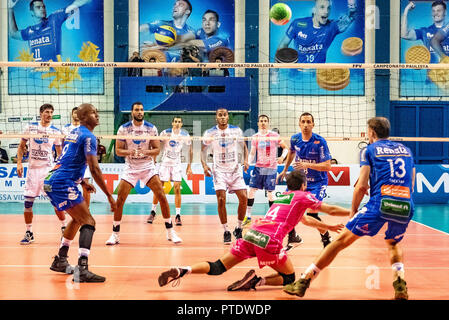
[13, 30]
[76, 5]
[405, 32]
[360, 189]
[94, 168]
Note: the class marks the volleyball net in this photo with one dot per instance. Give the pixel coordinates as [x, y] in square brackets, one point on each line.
[341, 97]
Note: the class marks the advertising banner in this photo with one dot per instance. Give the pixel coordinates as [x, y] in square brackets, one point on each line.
[58, 31]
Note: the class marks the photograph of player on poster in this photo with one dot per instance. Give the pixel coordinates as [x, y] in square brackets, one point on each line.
[424, 39]
[56, 30]
[187, 30]
[319, 31]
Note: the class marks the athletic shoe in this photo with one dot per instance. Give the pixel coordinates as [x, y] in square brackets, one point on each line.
[293, 241]
[28, 239]
[400, 289]
[178, 220]
[237, 233]
[169, 276]
[113, 239]
[82, 273]
[297, 288]
[249, 281]
[326, 239]
[60, 264]
[151, 217]
[246, 222]
[227, 237]
[172, 236]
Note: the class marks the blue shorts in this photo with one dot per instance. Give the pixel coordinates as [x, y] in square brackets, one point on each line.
[319, 191]
[263, 178]
[368, 221]
[63, 197]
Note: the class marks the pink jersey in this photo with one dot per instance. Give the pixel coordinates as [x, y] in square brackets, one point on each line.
[266, 150]
[287, 210]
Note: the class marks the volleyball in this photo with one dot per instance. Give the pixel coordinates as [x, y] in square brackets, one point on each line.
[280, 14]
[165, 35]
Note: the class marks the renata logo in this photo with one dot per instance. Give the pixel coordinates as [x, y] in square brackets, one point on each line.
[339, 176]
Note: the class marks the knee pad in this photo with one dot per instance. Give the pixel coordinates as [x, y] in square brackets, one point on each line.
[287, 278]
[216, 268]
[314, 215]
[29, 204]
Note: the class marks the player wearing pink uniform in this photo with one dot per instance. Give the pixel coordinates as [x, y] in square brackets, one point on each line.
[225, 141]
[265, 171]
[264, 239]
[40, 163]
[170, 166]
[139, 165]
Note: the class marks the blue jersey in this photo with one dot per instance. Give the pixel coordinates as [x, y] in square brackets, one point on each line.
[78, 144]
[312, 43]
[426, 34]
[44, 38]
[172, 55]
[211, 42]
[391, 171]
[315, 150]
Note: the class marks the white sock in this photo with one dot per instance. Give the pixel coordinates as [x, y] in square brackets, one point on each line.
[29, 227]
[178, 211]
[116, 223]
[398, 270]
[239, 224]
[248, 211]
[65, 242]
[63, 222]
[83, 252]
[225, 227]
[312, 270]
[153, 207]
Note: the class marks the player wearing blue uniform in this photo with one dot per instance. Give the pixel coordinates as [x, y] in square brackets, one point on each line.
[44, 38]
[312, 36]
[311, 154]
[387, 169]
[80, 150]
[425, 34]
[181, 12]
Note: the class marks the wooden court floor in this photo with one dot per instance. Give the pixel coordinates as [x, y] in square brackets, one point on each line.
[362, 272]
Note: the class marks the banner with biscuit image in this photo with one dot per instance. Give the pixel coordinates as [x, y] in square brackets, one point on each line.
[186, 31]
[424, 32]
[56, 30]
[317, 31]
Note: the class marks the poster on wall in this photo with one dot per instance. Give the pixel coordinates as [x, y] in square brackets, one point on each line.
[317, 31]
[187, 31]
[424, 39]
[58, 31]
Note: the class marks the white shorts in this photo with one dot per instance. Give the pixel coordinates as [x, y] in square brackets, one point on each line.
[35, 181]
[230, 181]
[87, 174]
[170, 173]
[133, 176]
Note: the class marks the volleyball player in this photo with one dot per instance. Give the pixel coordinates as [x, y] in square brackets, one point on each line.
[39, 164]
[265, 170]
[313, 36]
[312, 155]
[170, 166]
[387, 169]
[80, 150]
[264, 240]
[225, 140]
[75, 123]
[44, 38]
[139, 165]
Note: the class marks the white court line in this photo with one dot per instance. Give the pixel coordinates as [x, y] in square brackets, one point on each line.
[445, 233]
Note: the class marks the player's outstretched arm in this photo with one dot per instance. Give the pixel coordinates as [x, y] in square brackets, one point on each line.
[312, 222]
[76, 5]
[334, 210]
[97, 175]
